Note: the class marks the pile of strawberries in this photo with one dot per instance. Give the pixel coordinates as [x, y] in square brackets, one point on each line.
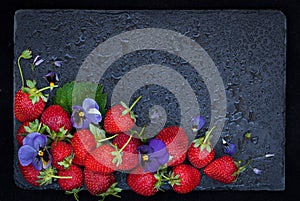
[87, 158]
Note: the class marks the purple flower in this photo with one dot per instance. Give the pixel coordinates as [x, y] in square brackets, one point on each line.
[228, 148]
[52, 78]
[257, 171]
[153, 155]
[37, 61]
[197, 123]
[88, 113]
[57, 63]
[34, 151]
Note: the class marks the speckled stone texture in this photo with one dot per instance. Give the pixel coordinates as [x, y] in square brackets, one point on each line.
[248, 48]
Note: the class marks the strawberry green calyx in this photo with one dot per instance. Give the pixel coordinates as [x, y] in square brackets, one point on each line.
[61, 135]
[113, 190]
[67, 162]
[204, 142]
[74, 192]
[128, 109]
[240, 168]
[48, 175]
[99, 134]
[34, 93]
[161, 178]
[119, 153]
[26, 54]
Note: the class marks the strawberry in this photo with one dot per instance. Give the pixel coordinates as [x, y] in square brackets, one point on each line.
[119, 118]
[21, 133]
[62, 155]
[55, 117]
[176, 141]
[101, 159]
[83, 142]
[30, 174]
[97, 183]
[26, 106]
[185, 178]
[130, 157]
[201, 153]
[75, 182]
[143, 183]
[224, 169]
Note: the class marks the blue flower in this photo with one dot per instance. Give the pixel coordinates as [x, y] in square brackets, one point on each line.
[153, 155]
[34, 151]
[88, 113]
[197, 123]
[228, 148]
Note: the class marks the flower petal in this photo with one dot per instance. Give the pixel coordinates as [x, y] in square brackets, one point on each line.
[89, 103]
[157, 145]
[37, 164]
[163, 159]
[197, 123]
[26, 155]
[145, 149]
[152, 166]
[47, 162]
[39, 142]
[28, 140]
[95, 118]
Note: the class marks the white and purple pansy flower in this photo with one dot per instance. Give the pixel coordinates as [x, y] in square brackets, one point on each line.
[35, 152]
[88, 113]
[153, 156]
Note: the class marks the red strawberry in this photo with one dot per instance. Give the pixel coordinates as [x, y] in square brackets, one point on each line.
[143, 183]
[176, 141]
[130, 157]
[75, 182]
[27, 108]
[55, 117]
[98, 183]
[21, 133]
[119, 118]
[62, 155]
[186, 178]
[30, 174]
[83, 142]
[201, 153]
[223, 169]
[101, 159]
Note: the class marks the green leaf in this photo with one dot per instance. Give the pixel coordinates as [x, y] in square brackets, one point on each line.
[30, 84]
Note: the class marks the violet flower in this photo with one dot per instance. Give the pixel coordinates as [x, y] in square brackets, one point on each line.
[197, 123]
[228, 148]
[36, 62]
[57, 63]
[34, 151]
[52, 78]
[257, 171]
[88, 113]
[153, 155]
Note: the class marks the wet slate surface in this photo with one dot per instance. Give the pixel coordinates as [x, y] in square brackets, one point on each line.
[248, 48]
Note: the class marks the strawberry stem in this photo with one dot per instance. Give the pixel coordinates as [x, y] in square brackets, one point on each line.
[208, 134]
[20, 70]
[125, 144]
[134, 103]
[45, 88]
[61, 177]
[105, 139]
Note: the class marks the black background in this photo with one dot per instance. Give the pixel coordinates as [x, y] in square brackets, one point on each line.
[9, 191]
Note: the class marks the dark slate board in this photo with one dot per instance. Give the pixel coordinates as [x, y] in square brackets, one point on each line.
[247, 47]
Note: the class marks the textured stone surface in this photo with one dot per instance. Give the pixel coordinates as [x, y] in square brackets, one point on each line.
[248, 48]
